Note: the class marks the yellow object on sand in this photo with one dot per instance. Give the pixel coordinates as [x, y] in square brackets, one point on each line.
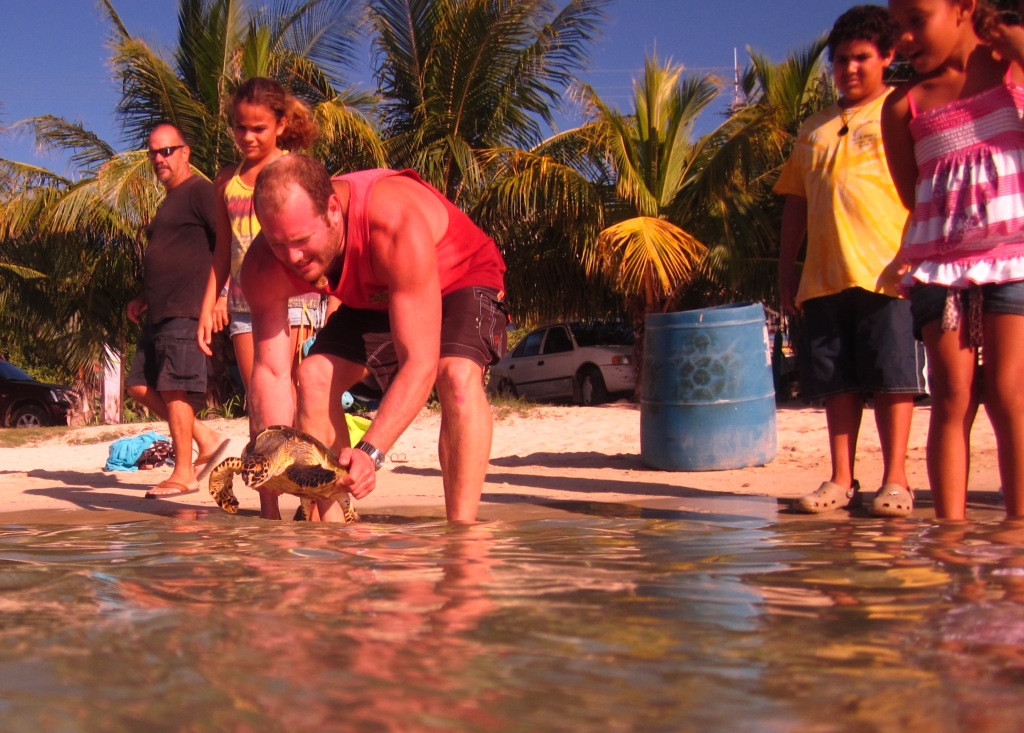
[357, 427]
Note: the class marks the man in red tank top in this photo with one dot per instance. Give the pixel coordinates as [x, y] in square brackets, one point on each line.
[422, 303]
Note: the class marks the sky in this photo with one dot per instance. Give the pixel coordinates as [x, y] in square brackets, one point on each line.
[54, 54]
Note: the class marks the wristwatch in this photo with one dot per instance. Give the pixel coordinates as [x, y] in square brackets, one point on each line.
[375, 455]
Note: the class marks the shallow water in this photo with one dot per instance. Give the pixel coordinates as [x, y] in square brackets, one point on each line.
[572, 623]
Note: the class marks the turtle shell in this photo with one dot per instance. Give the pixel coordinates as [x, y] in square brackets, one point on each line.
[286, 461]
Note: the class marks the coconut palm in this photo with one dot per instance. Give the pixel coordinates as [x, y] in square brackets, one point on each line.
[641, 196]
[641, 199]
[460, 78]
[777, 98]
[96, 217]
[307, 45]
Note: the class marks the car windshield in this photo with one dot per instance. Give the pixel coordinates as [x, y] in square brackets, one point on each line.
[602, 334]
[11, 373]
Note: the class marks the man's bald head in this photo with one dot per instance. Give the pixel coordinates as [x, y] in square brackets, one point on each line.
[275, 183]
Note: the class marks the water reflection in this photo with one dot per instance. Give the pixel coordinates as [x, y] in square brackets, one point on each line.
[208, 623]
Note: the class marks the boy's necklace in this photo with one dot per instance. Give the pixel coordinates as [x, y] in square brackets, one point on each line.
[847, 120]
[855, 109]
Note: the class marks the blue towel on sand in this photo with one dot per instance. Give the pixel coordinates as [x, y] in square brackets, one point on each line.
[124, 452]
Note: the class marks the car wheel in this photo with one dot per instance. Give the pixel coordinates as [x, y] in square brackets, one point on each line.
[29, 416]
[591, 387]
[506, 388]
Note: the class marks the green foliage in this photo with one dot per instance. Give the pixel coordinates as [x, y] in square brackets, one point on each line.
[21, 437]
[629, 213]
[132, 412]
[230, 409]
[516, 335]
[71, 247]
[504, 407]
[459, 78]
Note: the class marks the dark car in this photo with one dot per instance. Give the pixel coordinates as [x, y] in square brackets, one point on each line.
[28, 403]
[584, 362]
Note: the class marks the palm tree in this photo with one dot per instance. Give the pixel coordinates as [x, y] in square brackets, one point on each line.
[641, 201]
[80, 238]
[96, 217]
[655, 240]
[778, 97]
[639, 197]
[307, 45]
[460, 78]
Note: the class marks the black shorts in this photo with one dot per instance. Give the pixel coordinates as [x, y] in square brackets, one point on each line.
[168, 357]
[858, 341]
[473, 326]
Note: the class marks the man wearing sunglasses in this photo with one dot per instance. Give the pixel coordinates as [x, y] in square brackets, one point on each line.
[168, 364]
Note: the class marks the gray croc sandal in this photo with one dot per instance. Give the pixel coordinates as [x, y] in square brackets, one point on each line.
[892, 500]
[828, 497]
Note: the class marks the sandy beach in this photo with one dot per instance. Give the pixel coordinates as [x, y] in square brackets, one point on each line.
[547, 459]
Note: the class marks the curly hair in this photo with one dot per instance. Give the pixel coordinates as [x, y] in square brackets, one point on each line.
[863, 23]
[989, 14]
[300, 129]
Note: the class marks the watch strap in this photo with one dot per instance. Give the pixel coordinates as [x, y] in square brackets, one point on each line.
[376, 455]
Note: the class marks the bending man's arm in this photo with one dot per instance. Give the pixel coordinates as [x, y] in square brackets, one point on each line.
[406, 222]
[271, 398]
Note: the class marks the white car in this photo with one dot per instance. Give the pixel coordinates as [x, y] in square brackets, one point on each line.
[584, 362]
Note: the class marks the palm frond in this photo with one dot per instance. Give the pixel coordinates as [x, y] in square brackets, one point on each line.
[645, 256]
[86, 150]
[349, 140]
[118, 203]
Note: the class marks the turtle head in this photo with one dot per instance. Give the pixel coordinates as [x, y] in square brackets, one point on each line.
[255, 472]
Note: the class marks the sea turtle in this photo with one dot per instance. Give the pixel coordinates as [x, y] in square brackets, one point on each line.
[287, 461]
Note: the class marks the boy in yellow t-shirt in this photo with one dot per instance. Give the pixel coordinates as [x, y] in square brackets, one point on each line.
[857, 335]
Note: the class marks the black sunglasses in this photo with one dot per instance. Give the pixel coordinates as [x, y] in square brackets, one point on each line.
[163, 152]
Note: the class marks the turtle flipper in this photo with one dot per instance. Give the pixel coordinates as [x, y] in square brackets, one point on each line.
[350, 511]
[304, 510]
[221, 479]
[310, 476]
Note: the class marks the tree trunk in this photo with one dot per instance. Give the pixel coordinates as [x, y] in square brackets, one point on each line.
[638, 315]
[112, 392]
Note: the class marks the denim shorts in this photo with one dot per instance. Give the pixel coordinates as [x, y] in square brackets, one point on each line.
[168, 357]
[473, 326]
[858, 341]
[928, 301]
[242, 322]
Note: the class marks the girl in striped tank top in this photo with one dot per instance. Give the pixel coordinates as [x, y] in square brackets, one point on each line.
[266, 122]
[954, 140]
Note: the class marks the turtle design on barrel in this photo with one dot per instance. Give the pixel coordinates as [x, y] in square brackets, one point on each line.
[287, 461]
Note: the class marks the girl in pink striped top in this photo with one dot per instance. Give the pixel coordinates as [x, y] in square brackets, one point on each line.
[954, 139]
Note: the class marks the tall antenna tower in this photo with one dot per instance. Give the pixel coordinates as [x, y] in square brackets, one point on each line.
[739, 99]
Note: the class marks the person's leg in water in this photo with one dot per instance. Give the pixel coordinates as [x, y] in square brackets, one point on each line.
[1004, 401]
[954, 400]
[464, 445]
[323, 380]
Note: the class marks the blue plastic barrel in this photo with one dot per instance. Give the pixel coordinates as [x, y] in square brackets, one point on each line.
[708, 397]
